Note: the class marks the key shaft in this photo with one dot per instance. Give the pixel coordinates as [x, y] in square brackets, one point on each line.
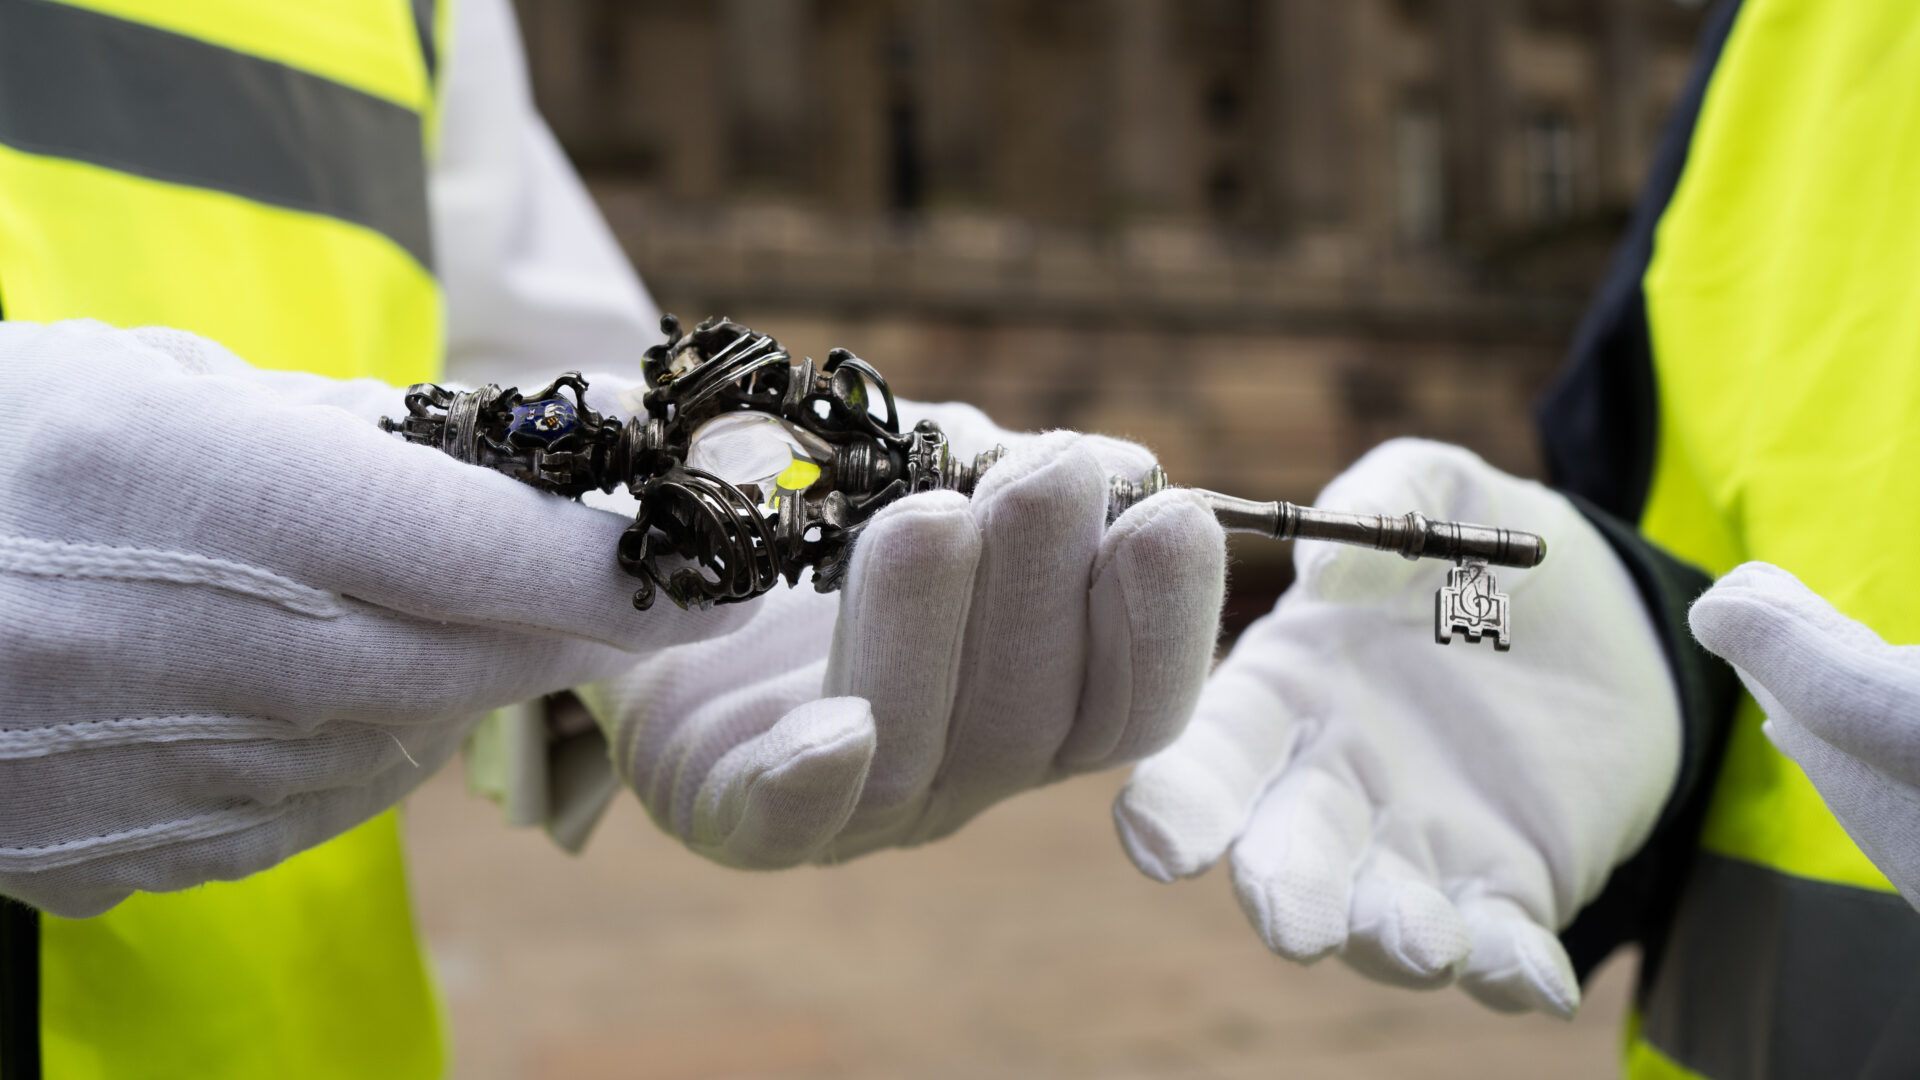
[1412, 535]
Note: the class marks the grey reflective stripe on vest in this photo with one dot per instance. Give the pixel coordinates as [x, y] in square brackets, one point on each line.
[423, 12]
[1772, 977]
[78, 84]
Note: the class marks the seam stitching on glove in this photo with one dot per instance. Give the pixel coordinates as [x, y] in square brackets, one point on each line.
[19, 743]
[200, 827]
[43, 558]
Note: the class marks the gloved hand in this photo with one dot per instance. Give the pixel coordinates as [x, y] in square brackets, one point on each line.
[1424, 812]
[979, 648]
[240, 620]
[1840, 702]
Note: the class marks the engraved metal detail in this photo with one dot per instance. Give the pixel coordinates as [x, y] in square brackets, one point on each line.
[1471, 604]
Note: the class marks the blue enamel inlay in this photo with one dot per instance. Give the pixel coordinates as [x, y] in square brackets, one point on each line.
[543, 421]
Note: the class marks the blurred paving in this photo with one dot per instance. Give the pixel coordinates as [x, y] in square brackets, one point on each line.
[1026, 946]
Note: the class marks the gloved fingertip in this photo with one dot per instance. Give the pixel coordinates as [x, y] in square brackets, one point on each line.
[1766, 576]
[1407, 933]
[1301, 917]
[1550, 993]
[775, 800]
[1119, 457]
[1147, 842]
[1054, 465]
[920, 539]
[1174, 530]
[1173, 821]
[927, 504]
[1749, 606]
[1520, 966]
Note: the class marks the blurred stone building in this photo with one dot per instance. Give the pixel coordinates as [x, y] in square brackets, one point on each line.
[1259, 235]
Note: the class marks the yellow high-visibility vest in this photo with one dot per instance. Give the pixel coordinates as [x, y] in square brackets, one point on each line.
[1783, 311]
[256, 173]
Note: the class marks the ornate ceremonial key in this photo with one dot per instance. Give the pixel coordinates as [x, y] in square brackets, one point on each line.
[750, 467]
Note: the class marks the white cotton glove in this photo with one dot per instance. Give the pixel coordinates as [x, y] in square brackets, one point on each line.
[1425, 812]
[240, 620]
[1840, 702]
[979, 648]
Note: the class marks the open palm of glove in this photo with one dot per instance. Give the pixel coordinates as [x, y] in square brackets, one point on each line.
[1840, 702]
[979, 647]
[1427, 813]
[242, 619]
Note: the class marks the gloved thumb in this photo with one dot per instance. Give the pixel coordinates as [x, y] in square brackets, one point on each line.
[1760, 617]
[778, 799]
[1800, 656]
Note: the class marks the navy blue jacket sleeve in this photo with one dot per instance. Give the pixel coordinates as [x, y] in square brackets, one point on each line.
[1599, 423]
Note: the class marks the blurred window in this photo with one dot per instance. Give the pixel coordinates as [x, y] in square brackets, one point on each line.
[905, 174]
[1419, 165]
[1222, 104]
[1224, 192]
[1414, 12]
[1551, 167]
[906, 171]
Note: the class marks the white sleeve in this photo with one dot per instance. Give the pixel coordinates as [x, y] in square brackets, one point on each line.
[535, 283]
